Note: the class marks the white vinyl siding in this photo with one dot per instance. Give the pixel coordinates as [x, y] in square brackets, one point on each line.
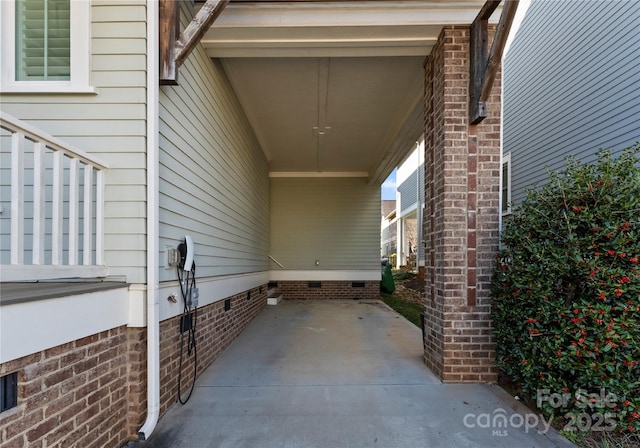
[389, 239]
[411, 191]
[110, 125]
[571, 86]
[411, 198]
[214, 182]
[333, 220]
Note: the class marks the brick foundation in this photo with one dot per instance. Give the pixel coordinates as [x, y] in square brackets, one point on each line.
[92, 392]
[462, 166]
[75, 394]
[137, 388]
[215, 330]
[330, 289]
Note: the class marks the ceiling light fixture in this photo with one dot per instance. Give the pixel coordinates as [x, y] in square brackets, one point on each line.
[317, 132]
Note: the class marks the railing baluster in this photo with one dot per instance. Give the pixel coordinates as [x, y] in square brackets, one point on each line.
[100, 217]
[17, 198]
[38, 203]
[88, 201]
[64, 186]
[73, 212]
[57, 204]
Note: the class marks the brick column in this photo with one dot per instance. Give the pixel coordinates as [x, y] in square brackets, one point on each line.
[462, 165]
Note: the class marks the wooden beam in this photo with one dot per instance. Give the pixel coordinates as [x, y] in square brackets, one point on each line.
[487, 9]
[169, 30]
[497, 47]
[477, 64]
[482, 68]
[197, 28]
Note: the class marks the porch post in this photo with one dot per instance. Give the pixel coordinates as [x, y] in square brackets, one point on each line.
[462, 168]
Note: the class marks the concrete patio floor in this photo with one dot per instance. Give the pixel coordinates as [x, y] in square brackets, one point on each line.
[340, 373]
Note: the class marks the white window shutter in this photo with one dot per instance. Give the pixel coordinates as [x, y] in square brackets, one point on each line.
[43, 50]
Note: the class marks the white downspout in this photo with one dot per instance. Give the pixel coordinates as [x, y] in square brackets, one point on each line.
[153, 309]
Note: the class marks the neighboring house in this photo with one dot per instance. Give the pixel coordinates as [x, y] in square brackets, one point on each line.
[410, 197]
[388, 234]
[268, 153]
[571, 87]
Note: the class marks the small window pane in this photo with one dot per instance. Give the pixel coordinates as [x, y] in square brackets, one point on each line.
[505, 187]
[8, 391]
[43, 41]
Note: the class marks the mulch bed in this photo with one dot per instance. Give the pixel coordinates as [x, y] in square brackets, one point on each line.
[412, 289]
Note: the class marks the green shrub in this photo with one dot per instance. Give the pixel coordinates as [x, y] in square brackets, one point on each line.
[566, 291]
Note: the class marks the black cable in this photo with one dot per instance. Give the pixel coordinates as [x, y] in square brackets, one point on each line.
[186, 287]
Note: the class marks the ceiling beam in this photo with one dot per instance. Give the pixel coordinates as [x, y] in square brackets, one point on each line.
[483, 69]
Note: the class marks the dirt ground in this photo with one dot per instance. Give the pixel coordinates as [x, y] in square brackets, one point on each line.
[412, 289]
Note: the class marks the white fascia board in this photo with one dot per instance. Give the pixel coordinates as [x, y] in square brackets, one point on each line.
[371, 13]
[248, 49]
[325, 275]
[325, 41]
[32, 327]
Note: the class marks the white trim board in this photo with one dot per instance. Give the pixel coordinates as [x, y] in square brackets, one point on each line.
[31, 327]
[210, 290]
[325, 275]
[297, 174]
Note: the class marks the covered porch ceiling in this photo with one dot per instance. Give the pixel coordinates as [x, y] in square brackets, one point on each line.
[333, 88]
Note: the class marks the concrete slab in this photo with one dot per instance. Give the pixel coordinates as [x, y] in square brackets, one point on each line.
[339, 373]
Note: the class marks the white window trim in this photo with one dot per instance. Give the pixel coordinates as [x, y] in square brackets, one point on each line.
[80, 53]
[506, 159]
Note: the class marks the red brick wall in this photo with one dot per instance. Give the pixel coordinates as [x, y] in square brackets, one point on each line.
[92, 392]
[329, 290]
[462, 166]
[75, 394]
[137, 387]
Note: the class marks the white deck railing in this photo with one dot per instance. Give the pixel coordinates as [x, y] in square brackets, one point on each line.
[57, 207]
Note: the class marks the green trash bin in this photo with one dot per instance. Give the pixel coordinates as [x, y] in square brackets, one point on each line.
[387, 284]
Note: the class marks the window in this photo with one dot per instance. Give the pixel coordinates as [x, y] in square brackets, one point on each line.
[8, 391]
[506, 184]
[45, 46]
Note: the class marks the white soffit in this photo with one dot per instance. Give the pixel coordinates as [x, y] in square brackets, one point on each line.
[333, 86]
[355, 28]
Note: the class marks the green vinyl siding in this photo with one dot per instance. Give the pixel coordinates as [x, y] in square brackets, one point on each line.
[214, 182]
[333, 220]
[110, 124]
